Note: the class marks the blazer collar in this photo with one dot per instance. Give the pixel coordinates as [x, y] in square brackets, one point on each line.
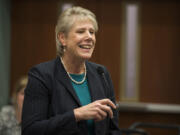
[63, 78]
[94, 82]
[95, 86]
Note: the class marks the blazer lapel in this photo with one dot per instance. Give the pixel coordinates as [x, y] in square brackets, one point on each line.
[94, 83]
[63, 78]
[96, 89]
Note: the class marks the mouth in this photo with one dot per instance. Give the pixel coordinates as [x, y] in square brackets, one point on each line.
[86, 46]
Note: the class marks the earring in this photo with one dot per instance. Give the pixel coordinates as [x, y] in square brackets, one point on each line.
[64, 49]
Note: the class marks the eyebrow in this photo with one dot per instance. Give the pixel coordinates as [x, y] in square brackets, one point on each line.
[85, 29]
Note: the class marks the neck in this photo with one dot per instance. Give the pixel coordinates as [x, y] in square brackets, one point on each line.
[73, 66]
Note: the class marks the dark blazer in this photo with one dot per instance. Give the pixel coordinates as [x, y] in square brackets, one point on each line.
[50, 100]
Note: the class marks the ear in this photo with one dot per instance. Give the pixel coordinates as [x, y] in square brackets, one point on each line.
[62, 38]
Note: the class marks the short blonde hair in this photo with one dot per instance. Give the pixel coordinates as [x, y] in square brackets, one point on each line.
[19, 85]
[67, 19]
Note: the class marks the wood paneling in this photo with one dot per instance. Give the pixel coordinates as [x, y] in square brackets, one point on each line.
[160, 52]
[33, 35]
[33, 41]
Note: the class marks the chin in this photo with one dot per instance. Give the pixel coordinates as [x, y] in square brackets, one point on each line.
[86, 57]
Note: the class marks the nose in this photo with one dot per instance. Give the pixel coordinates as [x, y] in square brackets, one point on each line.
[89, 35]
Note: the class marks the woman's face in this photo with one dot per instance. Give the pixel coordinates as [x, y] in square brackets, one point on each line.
[20, 98]
[80, 40]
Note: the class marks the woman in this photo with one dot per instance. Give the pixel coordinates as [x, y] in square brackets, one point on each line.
[10, 116]
[69, 95]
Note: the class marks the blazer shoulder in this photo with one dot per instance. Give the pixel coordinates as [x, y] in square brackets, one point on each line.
[44, 68]
[95, 66]
[44, 72]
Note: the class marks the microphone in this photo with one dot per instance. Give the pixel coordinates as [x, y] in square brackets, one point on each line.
[100, 70]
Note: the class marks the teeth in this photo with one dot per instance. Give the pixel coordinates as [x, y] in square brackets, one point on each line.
[85, 46]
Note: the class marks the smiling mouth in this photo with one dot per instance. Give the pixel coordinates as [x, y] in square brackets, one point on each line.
[85, 46]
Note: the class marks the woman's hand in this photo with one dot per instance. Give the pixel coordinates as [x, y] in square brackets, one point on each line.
[97, 110]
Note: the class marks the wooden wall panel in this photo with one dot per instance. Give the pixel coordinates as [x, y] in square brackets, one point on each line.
[33, 34]
[33, 41]
[160, 52]
[109, 38]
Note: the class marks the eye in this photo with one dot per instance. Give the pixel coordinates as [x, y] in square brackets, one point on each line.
[80, 31]
[92, 32]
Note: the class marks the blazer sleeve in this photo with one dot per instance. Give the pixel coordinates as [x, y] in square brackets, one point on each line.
[113, 125]
[35, 119]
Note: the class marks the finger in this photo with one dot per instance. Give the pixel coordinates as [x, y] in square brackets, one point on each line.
[98, 109]
[108, 102]
[97, 116]
[102, 112]
[108, 110]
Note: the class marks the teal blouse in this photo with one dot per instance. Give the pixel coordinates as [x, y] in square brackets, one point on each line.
[82, 91]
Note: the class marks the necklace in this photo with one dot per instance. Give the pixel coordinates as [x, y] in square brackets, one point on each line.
[73, 80]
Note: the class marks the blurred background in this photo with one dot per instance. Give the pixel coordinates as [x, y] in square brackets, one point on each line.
[138, 41]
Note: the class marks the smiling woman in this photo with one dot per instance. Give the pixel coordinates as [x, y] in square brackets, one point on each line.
[68, 95]
[68, 18]
[80, 41]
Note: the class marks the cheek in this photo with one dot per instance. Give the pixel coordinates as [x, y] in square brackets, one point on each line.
[78, 39]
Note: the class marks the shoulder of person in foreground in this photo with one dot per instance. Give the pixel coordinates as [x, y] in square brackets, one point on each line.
[44, 71]
[97, 67]
[45, 67]
[101, 70]
[105, 77]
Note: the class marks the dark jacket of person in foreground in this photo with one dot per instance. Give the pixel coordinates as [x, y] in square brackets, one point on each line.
[50, 100]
